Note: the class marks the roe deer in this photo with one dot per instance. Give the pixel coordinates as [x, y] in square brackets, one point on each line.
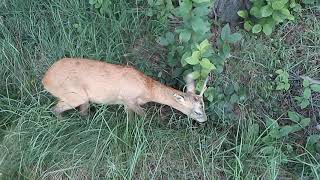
[76, 82]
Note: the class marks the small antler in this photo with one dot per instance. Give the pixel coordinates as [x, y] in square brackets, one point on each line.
[190, 84]
[204, 88]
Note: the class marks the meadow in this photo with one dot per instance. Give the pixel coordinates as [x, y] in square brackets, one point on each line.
[251, 142]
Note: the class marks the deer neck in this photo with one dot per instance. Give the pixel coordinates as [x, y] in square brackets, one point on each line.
[164, 95]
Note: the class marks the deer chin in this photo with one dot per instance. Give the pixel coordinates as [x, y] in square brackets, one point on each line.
[200, 119]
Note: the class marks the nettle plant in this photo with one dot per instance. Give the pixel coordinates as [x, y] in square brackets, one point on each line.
[190, 43]
[282, 80]
[160, 8]
[308, 88]
[264, 15]
[275, 131]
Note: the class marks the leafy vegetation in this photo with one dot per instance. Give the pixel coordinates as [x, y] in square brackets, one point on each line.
[282, 80]
[256, 127]
[193, 46]
[264, 15]
[308, 88]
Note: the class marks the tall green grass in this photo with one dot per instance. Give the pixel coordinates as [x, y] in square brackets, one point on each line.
[164, 144]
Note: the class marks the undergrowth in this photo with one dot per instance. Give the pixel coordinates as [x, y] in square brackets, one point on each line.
[266, 135]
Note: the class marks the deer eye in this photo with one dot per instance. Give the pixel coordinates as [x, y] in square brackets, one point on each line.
[198, 113]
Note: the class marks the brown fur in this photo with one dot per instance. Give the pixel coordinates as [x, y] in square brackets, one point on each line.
[76, 82]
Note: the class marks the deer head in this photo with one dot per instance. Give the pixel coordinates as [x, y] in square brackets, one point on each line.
[192, 103]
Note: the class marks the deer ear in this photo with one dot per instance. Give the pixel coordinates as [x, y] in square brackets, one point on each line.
[190, 84]
[178, 97]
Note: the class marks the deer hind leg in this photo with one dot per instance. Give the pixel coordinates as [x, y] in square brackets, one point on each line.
[84, 109]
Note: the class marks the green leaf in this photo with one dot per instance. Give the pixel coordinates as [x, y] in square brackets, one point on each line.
[285, 12]
[185, 7]
[194, 58]
[204, 46]
[278, 16]
[226, 50]
[279, 4]
[243, 13]
[256, 28]
[255, 11]
[247, 25]
[201, 10]
[205, 63]
[185, 35]
[225, 32]
[304, 103]
[285, 131]
[183, 59]
[266, 11]
[293, 4]
[200, 1]
[307, 93]
[170, 37]
[315, 87]
[163, 41]
[297, 8]
[267, 29]
[195, 74]
[272, 124]
[291, 17]
[286, 86]
[312, 139]
[305, 122]
[199, 25]
[171, 60]
[234, 38]
[205, 72]
[92, 2]
[210, 98]
[293, 116]
[306, 83]
[209, 92]
[280, 86]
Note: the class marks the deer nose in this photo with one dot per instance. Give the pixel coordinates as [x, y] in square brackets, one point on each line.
[202, 120]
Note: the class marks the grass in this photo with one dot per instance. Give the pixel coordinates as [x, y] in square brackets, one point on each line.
[164, 144]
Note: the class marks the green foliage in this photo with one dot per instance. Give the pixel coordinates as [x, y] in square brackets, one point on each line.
[275, 131]
[104, 145]
[308, 88]
[193, 47]
[226, 96]
[159, 8]
[102, 5]
[264, 15]
[282, 80]
[313, 143]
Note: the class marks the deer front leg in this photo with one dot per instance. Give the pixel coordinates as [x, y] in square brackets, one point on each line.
[135, 108]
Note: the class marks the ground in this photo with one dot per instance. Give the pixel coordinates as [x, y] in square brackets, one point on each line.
[165, 144]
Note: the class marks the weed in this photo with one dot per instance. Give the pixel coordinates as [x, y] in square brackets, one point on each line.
[264, 15]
